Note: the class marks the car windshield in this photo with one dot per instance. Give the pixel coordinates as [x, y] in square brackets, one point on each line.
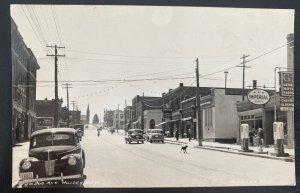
[157, 131]
[135, 132]
[55, 139]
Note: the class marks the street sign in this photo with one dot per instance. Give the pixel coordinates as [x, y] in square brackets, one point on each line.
[44, 122]
[258, 96]
[287, 103]
[286, 83]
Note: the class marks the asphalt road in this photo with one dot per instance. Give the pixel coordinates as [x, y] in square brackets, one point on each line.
[112, 163]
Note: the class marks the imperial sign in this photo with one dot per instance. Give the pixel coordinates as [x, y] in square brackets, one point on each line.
[258, 97]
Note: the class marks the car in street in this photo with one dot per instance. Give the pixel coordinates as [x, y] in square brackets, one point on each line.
[134, 135]
[156, 135]
[55, 155]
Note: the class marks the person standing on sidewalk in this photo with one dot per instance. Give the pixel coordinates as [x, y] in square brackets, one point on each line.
[260, 136]
[251, 135]
[177, 134]
[190, 134]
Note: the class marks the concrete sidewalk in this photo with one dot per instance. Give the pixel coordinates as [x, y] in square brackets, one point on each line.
[268, 152]
[234, 148]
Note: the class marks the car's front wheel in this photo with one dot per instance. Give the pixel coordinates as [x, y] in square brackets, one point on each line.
[142, 142]
[162, 141]
[125, 141]
[150, 141]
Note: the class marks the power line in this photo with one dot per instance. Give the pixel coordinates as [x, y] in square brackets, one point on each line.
[38, 38]
[47, 26]
[55, 25]
[247, 61]
[129, 56]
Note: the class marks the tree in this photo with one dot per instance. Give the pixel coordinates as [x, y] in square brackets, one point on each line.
[95, 119]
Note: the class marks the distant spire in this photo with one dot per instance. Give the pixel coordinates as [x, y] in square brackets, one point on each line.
[88, 114]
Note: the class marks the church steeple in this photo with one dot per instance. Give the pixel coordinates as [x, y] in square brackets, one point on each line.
[88, 114]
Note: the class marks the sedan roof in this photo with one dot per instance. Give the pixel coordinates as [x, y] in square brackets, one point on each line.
[53, 130]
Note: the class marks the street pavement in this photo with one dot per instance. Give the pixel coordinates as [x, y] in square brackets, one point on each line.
[112, 163]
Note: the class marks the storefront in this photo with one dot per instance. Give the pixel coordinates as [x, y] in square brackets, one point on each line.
[261, 116]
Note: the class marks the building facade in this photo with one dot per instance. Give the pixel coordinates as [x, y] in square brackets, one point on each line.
[24, 68]
[45, 113]
[118, 121]
[139, 105]
[108, 118]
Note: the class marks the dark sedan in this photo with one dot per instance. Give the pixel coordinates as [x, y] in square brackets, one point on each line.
[54, 155]
[134, 135]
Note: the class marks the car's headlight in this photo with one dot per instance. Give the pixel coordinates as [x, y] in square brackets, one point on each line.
[26, 165]
[72, 158]
[72, 161]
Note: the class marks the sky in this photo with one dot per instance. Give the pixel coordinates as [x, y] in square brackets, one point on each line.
[113, 53]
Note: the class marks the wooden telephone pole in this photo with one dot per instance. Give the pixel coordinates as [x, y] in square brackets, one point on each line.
[56, 82]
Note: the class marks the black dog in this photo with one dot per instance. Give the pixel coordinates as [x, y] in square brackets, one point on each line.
[183, 148]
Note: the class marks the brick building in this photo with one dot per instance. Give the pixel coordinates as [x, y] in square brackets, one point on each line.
[24, 67]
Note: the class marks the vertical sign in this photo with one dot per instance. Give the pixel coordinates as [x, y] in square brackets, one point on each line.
[287, 91]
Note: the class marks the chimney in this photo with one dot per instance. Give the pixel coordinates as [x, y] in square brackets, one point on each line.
[254, 84]
[181, 84]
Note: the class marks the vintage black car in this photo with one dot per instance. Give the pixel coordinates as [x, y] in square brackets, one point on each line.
[54, 155]
[134, 135]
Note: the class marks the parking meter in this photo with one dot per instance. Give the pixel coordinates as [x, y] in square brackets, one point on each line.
[244, 129]
[278, 135]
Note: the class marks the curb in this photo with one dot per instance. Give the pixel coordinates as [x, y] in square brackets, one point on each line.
[228, 150]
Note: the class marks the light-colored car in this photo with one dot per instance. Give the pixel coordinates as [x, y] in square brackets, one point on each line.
[156, 135]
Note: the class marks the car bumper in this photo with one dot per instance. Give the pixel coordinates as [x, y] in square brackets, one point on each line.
[136, 139]
[48, 179]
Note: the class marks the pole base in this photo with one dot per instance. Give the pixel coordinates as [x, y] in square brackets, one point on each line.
[280, 154]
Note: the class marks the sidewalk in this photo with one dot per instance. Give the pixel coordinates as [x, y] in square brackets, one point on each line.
[234, 148]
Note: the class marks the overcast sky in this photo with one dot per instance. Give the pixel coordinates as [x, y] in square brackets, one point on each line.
[154, 46]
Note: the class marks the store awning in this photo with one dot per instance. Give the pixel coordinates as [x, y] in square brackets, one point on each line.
[186, 119]
[134, 123]
[166, 122]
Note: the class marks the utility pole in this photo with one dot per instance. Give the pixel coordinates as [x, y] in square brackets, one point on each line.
[142, 116]
[68, 112]
[56, 84]
[225, 72]
[198, 105]
[118, 120]
[73, 102]
[244, 66]
[125, 116]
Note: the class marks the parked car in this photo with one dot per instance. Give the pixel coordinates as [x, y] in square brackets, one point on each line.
[54, 155]
[134, 135]
[156, 135]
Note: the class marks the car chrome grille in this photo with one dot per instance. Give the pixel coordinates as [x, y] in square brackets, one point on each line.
[49, 167]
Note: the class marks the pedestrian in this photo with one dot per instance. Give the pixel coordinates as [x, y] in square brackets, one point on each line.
[251, 135]
[190, 134]
[260, 136]
[98, 133]
[177, 134]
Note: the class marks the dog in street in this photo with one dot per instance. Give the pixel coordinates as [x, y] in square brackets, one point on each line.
[183, 148]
